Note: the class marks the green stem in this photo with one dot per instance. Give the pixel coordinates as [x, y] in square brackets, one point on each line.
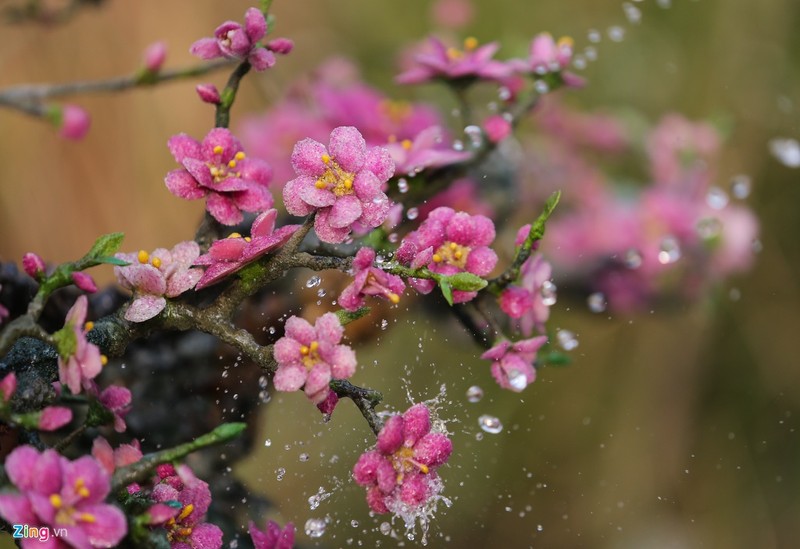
[228, 95]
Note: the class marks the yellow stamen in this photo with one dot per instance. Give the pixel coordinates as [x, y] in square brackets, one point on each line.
[89, 326]
[437, 258]
[470, 43]
[156, 262]
[218, 149]
[423, 468]
[453, 245]
[103, 360]
[185, 532]
[326, 158]
[247, 239]
[406, 143]
[214, 171]
[392, 139]
[171, 522]
[394, 298]
[320, 184]
[240, 156]
[454, 53]
[234, 235]
[348, 184]
[457, 254]
[87, 517]
[232, 164]
[566, 42]
[304, 350]
[143, 256]
[314, 346]
[186, 511]
[55, 501]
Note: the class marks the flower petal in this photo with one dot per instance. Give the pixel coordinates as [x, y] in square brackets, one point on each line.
[289, 377]
[344, 211]
[348, 148]
[223, 209]
[145, 307]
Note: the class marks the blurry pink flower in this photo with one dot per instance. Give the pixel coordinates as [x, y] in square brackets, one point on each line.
[310, 356]
[546, 56]
[78, 361]
[218, 168]
[34, 266]
[497, 128]
[110, 459]
[473, 62]
[208, 93]
[7, 386]
[426, 150]
[187, 530]
[234, 41]
[452, 14]
[401, 470]
[512, 363]
[342, 184]
[117, 400]
[450, 242]
[462, 195]
[683, 153]
[281, 46]
[75, 122]
[369, 280]
[154, 277]
[54, 417]
[84, 281]
[228, 255]
[59, 493]
[154, 56]
[273, 537]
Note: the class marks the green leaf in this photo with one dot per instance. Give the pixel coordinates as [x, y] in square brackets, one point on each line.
[466, 282]
[105, 246]
[346, 317]
[66, 341]
[555, 358]
[112, 261]
[447, 290]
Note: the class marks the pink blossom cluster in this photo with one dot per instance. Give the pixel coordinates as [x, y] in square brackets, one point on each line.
[450, 242]
[370, 281]
[402, 469]
[513, 363]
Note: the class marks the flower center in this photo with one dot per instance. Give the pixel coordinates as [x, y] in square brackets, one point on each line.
[373, 283]
[452, 254]
[220, 170]
[67, 514]
[176, 532]
[470, 44]
[335, 179]
[403, 462]
[310, 354]
[396, 111]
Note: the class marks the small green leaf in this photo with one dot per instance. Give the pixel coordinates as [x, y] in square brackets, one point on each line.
[447, 290]
[227, 431]
[105, 246]
[555, 358]
[112, 261]
[466, 282]
[66, 341]
[98, 414]
[346, 317]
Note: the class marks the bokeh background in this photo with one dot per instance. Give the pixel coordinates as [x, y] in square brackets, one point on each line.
[674, 428]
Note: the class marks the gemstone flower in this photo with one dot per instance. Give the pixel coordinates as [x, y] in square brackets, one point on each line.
[424, 151]
[187, 530]
[273, 537]
[369, 280]
[230, 254]
[157, 276]
[78, 360]
[236, 41]
[400, 473]
[512, 363]
[218, 169]
[310, 356]
[57, 493]
[341, 183]
[471, 63]
[450, 242]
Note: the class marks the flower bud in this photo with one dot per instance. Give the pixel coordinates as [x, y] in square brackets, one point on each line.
[208, 93]
[75, 122]
[154, 56]
[7, 386]
[497, 128]
[33, 265]
[280, 46]
[84, 281]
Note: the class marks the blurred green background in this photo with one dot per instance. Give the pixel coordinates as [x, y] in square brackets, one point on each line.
[670, 429]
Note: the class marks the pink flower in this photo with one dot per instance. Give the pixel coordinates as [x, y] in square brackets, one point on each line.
[75, 122]
[110, 459]
[154, 56]
[281, 46]
[187, 530]
[78, 360]
[56, 492]
[683, 153]
[369, 280]
[426, 150]
[512, 363]
[471, 63]
[84, 281]
[230, 254]
[546, 56]
[342, 184]
[154, 277]
[208, 93]
[218, 169]
[453, 14]
[401, 471]
[8, 386]
[448, 243]
[310, 356]
[497, 128]
[34, 266]
[462, 195]
[117, 400]
[234, 41]
[54, 417]
[273, 537]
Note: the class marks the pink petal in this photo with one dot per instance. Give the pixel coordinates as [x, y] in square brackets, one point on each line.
[416, 423]
[183, 281]
[325, 232]
[299, 329]
[344, 211]
[292, 201]
[93, 477]
[287, 350]
[374, 212]
[366, 185]
[16, 509]
[223, 209]
[343, 364]
[206, 536]
[379, 162]
[261, 59]
[481, 261]
[108, 528]
[414, 490]
[255, 170]
[390, 439]
[217, 272]
[206, 48]
[289, 377]
[54, 417]
[182, 146]
[264, 224]
[22, 474]
[226, 249]
[433, 449]
[145, 278]
[254, 24]
[145, 307]
[386, 476]
[254, 198]
[348, 148]
[314, 196]
[364, 471]
[220, 137]
[307, 158]
[328, 329]
[317, 382]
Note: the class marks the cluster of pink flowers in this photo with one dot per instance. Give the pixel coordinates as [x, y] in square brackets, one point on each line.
[450, 242]
[58, 493]
[310, 356]
[402, 469]
[342, 184]
[370, 281]
[157, 276]
[513, 363]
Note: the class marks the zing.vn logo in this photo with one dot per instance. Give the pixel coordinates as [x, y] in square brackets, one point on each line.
[42, 533]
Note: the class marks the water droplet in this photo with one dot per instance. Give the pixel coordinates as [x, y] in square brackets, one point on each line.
[504, 93]
[304, 457]
[384, 324]
[490, 424]
[579, 62]
[315, 527]
[541, 87]
[757, 246]
[594, 36]
[313, 282]
[548, 292]
[591, 53]
[716, 198]
[669, 250]
[632, 13]
[263, 381]
[474, 394]
[412, 213]
[616, 33]
[517, 380]
[385, 528]
[268, 443]
[394, 238]
[740, 186]
[567, 340]
[709, 227]
[402, 185]
[597, 302]
[458, 145]
[354, 523]
[280, 472]
[475, 135]
[666, 4]
[539, 527]
[322, 292]
[633, 259]
[787, 151]
[264, 396]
